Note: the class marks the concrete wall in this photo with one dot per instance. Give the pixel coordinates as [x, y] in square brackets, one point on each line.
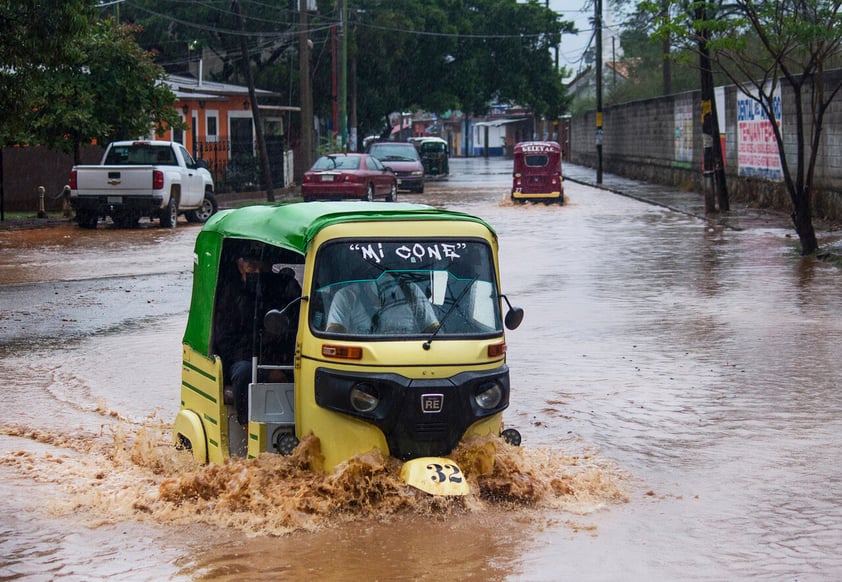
[660, 140]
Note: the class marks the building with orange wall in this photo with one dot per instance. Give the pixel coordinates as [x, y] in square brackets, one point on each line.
[220, 121]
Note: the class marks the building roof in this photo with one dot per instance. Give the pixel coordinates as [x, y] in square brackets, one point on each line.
[191, 88]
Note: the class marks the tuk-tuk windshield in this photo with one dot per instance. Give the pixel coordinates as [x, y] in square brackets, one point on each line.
[433, 147]
[412, 287]
[536, 160]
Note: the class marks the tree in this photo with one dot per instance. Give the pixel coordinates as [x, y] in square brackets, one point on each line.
[34, 35]
[427, 54]
[111, 90]
[757, 45]
[646, 59]
[795, 40]
[438, 55]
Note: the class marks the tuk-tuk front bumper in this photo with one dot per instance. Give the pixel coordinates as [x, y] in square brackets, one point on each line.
[419, 418]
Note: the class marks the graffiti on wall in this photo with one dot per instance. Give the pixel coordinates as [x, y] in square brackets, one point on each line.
[683, 119]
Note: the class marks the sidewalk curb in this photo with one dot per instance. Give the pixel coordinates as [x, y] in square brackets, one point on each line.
[593, 184]
[765, 217]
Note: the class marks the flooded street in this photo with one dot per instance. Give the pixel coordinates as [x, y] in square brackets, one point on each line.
[686, 375]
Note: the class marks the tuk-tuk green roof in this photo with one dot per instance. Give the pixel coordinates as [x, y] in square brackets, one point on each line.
[288, 226]
[293, 226]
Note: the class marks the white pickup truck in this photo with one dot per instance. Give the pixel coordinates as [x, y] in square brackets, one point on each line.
[154, 179]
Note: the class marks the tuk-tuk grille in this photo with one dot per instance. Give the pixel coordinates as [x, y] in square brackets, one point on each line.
[430, 429]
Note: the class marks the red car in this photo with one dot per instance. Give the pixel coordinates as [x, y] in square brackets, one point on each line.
[339, 176]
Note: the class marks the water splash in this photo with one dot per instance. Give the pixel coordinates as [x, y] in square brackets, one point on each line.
[134, 474]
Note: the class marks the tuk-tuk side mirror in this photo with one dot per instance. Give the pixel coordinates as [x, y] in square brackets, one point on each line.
[275, 322]
[514, 316]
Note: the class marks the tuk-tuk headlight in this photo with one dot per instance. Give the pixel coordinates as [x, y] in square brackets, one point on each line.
[489, 395]
[364, 397]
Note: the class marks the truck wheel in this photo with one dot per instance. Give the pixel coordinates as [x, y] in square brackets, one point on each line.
[87, 219]
[169, 215]
[205, 211]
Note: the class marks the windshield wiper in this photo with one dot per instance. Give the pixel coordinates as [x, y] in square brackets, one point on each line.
[456, 302]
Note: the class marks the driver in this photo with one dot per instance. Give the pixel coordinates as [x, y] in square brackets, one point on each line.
[388, 305]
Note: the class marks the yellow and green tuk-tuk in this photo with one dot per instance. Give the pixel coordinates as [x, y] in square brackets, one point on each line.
[417, 364]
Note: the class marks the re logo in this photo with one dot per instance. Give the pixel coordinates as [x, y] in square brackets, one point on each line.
[431, 403]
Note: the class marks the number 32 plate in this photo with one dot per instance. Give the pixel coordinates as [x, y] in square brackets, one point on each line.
[435, 475]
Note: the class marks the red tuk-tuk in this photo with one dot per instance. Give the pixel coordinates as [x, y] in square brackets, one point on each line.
[537, 172]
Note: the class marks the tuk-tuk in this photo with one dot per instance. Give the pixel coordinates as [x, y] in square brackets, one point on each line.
[537, 172]
[434, 155]
[389, 318]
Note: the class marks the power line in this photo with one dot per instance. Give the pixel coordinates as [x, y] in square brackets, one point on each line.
[452, 34]
[227, 31]
[328, 23]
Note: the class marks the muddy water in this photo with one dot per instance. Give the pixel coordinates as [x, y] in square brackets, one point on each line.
[676, 387]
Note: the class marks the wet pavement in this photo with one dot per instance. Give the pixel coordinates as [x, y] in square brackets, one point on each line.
[688, 202]
[677, 378]
[740, 216]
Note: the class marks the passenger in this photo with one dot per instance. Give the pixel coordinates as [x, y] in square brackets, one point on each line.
[234, 334]
[386, 306]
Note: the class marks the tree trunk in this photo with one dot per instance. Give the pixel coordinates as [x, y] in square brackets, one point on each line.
[666, 58]
[266, 170]
[803, 221]
[801, 191]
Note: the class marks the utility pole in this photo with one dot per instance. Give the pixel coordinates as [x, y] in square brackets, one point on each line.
[343, 78]
[598, 32]
[305, 89]
[353, 138]
[713, 172]
[334, 86]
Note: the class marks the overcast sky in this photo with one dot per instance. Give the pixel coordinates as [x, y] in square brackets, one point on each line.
[581, 12]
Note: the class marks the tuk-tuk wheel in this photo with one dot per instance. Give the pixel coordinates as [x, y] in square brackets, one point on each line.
[286, 443]
[511, 436]
[183, 444]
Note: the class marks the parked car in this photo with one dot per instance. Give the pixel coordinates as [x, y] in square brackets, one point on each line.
[403, 159]
[339, 176]
[141, 178]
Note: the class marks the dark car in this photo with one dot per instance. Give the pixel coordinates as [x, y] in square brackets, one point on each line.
[403, 159]
[339, 176]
